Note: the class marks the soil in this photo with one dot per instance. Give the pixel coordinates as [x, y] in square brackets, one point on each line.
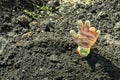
[41, 48]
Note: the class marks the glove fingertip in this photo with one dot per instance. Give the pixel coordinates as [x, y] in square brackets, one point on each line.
[98, 33]
[87, 24]
[73, 33]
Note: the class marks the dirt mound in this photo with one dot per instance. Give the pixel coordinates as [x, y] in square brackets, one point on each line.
[35, 43]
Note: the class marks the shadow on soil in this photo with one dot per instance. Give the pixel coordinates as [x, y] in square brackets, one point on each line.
[108, 66]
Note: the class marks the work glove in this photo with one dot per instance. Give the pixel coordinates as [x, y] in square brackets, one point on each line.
[85, 38]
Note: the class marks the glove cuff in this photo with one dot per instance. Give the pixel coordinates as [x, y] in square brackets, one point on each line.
[83, 51]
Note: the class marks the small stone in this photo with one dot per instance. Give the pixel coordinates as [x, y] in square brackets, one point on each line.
[24, 20]
[117, 25]
[27, 35]
[41, 69]
[23, 70]
[33, 24]
[45, 79]
[53, 58]
[6, 17]
[7, 26]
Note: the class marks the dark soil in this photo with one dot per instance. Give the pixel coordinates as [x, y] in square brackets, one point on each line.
[41, 48]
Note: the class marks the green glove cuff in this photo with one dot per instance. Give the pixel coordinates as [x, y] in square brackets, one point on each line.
[84, 51]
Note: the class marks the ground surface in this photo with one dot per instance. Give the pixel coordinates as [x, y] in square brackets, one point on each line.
[40, 48]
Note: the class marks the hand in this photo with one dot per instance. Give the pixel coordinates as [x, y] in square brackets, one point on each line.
[86, 36]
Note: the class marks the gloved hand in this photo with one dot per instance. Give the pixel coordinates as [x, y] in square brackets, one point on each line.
[85, 38]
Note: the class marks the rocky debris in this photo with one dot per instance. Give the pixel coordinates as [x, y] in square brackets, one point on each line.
[27, 35]
[53, 4]
[24, 20]
[117, 25]
[3, 42]
[53, 58]
[78, 1]
[7, 17]
[33, 24]
[7, 26]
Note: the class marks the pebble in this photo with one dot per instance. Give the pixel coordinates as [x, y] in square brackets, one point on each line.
[117, 25]
[53, 58]
[23, 19]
